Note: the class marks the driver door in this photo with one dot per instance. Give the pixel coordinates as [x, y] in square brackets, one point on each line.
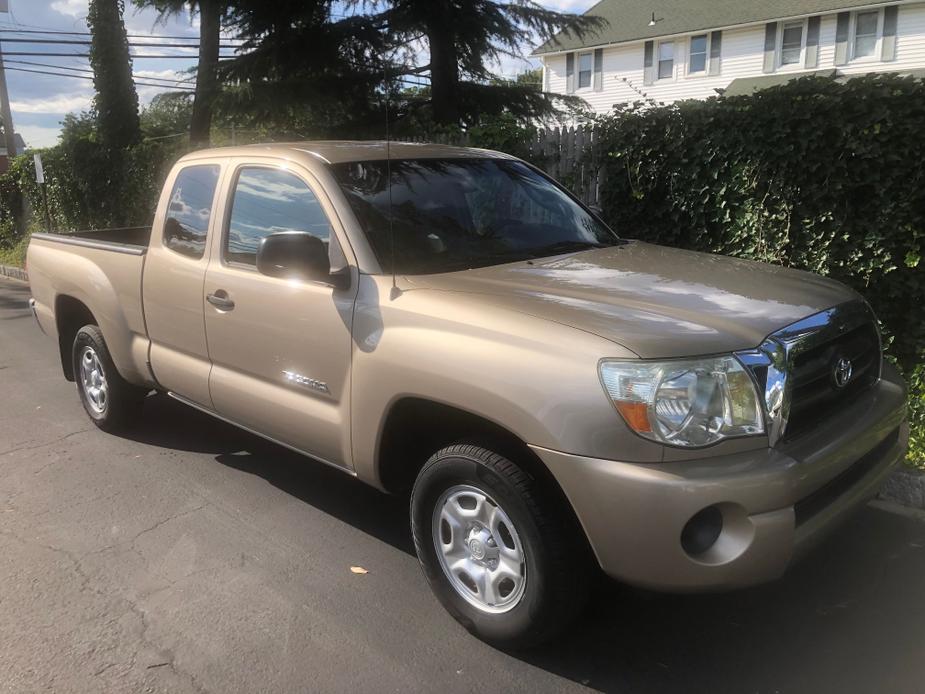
[280, 348]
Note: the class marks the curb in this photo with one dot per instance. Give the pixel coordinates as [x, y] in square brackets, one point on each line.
[906, 487]
[15, 273]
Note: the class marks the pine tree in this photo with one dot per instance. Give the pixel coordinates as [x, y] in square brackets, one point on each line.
[465, 39]
[212, 13]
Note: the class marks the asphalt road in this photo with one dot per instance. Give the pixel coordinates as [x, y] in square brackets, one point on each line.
[190, 556]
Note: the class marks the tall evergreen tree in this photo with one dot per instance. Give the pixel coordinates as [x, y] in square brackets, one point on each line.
[210, 29]
[212, 14]
[116, 102]
[304, 67]
[306, 56]
[466, 38]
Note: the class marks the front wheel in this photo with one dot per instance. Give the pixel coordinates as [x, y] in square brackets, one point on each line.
[109, 400]
[496, 550]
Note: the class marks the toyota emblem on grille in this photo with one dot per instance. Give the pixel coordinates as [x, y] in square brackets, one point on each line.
[842, 372]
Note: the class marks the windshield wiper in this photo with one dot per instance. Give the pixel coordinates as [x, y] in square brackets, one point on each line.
[565, 247]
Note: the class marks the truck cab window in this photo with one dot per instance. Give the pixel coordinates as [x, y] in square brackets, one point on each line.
[189, 210]
[456, 214]
[268, 200]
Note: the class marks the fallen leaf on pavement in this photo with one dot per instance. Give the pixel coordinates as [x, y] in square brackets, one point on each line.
[358, 570]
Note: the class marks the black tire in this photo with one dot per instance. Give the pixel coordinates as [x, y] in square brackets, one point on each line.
[556, 567]
[122, 400]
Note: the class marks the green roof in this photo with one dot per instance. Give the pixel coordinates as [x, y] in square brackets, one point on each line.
[749, 85]
[744, 86]
[628, 20]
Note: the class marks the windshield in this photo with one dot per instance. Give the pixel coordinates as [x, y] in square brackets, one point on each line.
[454, 214]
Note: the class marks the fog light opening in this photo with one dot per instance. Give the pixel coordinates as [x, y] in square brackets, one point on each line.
[702, 531]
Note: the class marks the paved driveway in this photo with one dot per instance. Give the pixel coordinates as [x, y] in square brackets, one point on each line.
[190, 556]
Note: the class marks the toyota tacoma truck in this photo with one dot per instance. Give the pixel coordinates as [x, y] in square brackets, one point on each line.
[453, 324]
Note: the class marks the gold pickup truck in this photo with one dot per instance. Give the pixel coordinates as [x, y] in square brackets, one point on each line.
[454, 324]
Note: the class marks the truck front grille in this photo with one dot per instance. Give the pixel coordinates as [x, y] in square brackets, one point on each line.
[801, 369]
[815, 396]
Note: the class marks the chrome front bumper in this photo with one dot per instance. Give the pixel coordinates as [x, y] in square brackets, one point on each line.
[775, 502]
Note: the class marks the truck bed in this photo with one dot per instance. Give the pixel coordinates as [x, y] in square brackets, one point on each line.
[101, 272]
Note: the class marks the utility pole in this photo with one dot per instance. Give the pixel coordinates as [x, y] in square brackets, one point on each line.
[9, 133]
[7, 114]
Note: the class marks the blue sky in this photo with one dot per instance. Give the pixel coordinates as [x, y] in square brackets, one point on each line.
[40, 102]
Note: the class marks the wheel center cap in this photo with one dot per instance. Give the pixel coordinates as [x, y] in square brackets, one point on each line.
[477, 549]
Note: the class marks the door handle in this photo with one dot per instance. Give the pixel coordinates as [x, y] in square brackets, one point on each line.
[220, 300]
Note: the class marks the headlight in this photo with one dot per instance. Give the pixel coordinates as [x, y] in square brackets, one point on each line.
[690, 402]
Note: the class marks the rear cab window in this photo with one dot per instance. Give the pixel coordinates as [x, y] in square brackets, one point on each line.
[189, 210]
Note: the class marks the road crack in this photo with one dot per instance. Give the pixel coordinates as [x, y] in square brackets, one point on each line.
[47, 443]
[129, 605]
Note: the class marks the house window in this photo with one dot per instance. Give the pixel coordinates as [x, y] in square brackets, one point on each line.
[791, 45]
[698, 57]
[866, 33]
[666, 60]
[585, 68]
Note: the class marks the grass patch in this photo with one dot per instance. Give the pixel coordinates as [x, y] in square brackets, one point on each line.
[15, 255]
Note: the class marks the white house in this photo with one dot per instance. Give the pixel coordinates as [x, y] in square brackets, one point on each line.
[688, 49]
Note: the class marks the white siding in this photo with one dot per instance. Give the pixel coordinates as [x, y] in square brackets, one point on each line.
[910, 44]
[742, 56]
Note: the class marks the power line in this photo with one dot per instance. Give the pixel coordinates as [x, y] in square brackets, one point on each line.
[87, 33]
[60, 42]
[57, 67]
[87, 77]
[38, 54]
[85, 70]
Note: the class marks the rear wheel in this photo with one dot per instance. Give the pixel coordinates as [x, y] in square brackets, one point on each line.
[496, 550]
[109, 400]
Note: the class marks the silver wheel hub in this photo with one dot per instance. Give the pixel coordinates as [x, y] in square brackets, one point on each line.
[479, 549]
[93, 380]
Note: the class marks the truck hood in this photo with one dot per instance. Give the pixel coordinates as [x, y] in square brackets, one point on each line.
[655, 301]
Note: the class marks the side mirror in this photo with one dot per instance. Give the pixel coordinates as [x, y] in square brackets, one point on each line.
[297, 255]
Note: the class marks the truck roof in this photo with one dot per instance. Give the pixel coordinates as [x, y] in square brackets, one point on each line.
[340, 151]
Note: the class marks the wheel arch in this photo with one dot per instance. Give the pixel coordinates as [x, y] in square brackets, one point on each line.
[415, 428]
[71, 314]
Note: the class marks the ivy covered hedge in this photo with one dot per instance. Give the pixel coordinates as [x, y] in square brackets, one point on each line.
[89, 185]
[818, 175]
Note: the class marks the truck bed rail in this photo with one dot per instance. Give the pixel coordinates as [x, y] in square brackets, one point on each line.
[130, 240]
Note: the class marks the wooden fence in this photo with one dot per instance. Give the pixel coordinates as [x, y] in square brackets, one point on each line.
[573, 156]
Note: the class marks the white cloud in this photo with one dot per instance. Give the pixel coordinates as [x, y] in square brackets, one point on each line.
[164, 74]
[567, 5]
[72, 8]
[149, 21]
[62, 103]
[39, 135]
[145, 94]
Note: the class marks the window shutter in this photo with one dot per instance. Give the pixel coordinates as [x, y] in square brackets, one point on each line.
[598, 80]
[570, 73]
[770, 46]
[812, 42]
[716, 50]
[888, 45]
[648, 63]
[841, 38]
